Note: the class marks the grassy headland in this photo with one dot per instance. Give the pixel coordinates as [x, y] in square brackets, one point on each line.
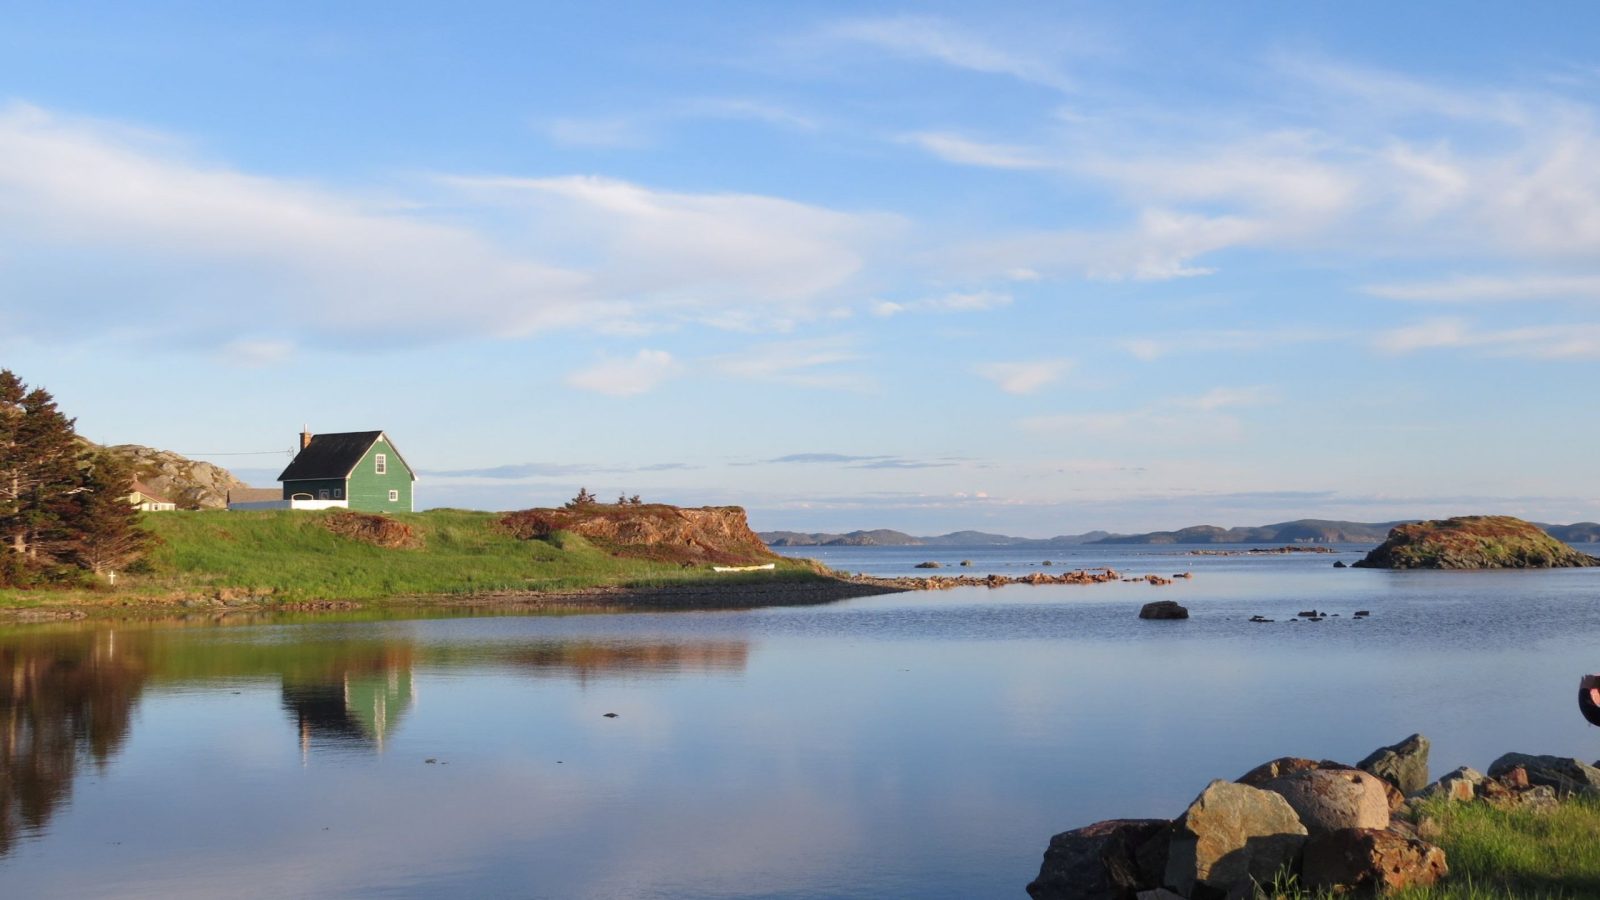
[280, 557]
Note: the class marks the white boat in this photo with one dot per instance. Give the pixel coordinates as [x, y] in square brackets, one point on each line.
[766, 568]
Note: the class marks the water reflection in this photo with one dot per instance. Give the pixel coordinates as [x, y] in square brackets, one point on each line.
[585, 659]
[64, 698]
[355, 696]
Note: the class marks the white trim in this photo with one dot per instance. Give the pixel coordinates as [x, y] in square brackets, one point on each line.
[394, 496]
[380, 462]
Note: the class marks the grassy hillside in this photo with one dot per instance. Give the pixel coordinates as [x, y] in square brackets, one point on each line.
[295, 557]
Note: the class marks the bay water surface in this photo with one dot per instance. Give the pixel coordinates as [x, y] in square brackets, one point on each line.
[908, 745]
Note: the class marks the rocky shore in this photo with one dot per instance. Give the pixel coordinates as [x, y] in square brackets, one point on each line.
[1332, 827]
[946, 582]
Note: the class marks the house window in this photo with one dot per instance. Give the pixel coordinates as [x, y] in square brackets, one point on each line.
[322, 494]
[394, 496]
[380, 464]
[338, 493]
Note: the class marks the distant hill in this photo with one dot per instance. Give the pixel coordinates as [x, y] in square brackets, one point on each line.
[1300, 531]
[887, 538]
[1576, 533]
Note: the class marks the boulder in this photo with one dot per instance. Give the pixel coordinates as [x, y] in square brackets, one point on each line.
[1231, 833]
[1277, 768]
[930, 564]
[1158, 894]
[1163, 609]
[1404, 765]
[1460, 785]
[1095, 862]
[1334, 799]
[1370, 861]
[1568, 776]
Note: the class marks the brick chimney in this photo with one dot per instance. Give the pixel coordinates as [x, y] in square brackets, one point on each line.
[305, 437]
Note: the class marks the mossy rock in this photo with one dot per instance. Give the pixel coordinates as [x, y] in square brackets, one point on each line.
[1473, 542]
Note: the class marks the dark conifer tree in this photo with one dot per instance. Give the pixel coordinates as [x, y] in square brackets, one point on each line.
[100, 523]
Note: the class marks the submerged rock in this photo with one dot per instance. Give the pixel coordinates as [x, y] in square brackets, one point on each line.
[1163, 609]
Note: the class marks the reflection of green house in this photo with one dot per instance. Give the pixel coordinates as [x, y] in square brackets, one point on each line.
[357, 709]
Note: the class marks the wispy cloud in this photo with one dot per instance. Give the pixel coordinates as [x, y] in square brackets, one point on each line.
[1023, 377]
[642, 372]
[1193, 419]
[1574, 341]
[952, 44]
[955, 302]
[1211, 340]
[1491, 289]
[967, 152]
[643, 129]
[818, 363]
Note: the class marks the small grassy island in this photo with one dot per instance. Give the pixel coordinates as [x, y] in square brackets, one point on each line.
[1473, 542]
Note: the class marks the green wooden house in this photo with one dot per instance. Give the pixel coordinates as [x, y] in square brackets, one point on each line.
[362, 468]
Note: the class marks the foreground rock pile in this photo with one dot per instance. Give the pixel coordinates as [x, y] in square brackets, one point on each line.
[1331, 826]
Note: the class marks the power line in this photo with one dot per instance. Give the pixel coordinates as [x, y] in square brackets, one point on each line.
[246, 453]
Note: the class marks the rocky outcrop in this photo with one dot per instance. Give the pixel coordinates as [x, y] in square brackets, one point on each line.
[189, 483]
[1097, 862]
[1404, 765]
[1566, 775]
[1370, 861]
[1232, 833]
[379, 531]
[1473, 542]
[1163, 609]
[710, 534]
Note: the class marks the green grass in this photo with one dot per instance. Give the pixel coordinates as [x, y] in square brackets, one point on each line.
[292, 557]
[1495, 854]
[1519, 853]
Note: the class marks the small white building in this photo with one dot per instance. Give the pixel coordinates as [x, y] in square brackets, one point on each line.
[148, 500]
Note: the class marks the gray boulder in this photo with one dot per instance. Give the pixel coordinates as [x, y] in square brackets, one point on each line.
[1095, 862]
[1331, 799]
[1231, 833]
[1404, 765]
[1566, 775]
[1460, 785]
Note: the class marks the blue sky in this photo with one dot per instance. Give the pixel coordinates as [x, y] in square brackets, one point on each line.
[1039, 269]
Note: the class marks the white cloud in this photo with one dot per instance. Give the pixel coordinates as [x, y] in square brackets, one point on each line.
[205, 250]
[1576, 341]
[938, 40]
[1185, 420]
[1229, 397]
[1023, 377]
[626, 377]
[1153, 347]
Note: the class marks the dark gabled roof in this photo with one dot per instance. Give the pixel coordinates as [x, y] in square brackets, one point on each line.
[334, 456]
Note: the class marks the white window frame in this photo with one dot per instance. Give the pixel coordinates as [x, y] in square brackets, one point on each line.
[394, 496]
[338, 493]
[380, 464]
[322, 493]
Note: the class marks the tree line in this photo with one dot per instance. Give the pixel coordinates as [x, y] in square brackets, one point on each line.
[64, 508]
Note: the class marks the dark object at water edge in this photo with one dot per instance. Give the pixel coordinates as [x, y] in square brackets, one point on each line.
[1589, 698]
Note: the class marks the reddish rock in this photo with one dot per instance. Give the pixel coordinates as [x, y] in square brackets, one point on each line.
[1277, 768]
[1095, 862]
[1370, 860]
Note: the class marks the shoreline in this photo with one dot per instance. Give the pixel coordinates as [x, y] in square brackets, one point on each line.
[697, 595]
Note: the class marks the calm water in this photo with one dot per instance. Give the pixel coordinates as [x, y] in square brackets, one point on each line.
[913, 745]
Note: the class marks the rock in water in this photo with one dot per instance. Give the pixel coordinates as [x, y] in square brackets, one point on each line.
[1230, 834]
[1331, 799]
[1095, 862]
[1163, 609]
[1370, 861]
[1568, 776]
[1404, 765]
[1473, 542]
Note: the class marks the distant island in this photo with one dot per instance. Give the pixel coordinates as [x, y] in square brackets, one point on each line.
[1474, 542]
[1299, 531]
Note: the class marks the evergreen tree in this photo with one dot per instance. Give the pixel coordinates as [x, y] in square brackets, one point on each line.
[38, 468]
[103, 527]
